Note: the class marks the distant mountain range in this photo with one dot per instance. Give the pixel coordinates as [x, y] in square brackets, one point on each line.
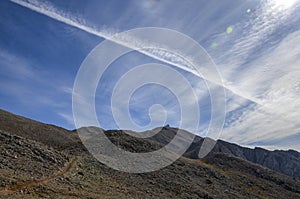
[285, 162]
[40, 160]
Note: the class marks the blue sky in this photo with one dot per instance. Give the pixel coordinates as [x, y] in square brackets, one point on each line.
[253, 43]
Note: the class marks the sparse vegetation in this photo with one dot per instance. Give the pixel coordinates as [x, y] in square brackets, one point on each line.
[36, 167]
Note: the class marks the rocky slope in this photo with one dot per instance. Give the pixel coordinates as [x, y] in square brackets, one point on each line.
[285, 162]
[56, 137]
[22, 156]
[39, 165]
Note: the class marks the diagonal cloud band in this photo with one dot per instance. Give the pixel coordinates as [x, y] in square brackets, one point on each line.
[131, 43]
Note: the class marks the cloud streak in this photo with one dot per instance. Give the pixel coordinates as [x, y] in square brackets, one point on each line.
[256, 62]
[132, 43]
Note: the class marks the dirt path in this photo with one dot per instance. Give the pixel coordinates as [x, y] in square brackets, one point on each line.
[33, 183]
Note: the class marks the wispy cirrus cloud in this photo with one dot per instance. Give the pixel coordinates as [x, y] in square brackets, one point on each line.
[134, 43]
[274, 78]
[12, 65]
[260, 72]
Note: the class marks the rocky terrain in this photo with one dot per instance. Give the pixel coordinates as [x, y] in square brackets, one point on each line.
[45, 161]
[285, 162]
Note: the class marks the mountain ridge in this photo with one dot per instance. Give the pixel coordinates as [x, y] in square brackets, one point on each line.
[219, 175]
[283, 161]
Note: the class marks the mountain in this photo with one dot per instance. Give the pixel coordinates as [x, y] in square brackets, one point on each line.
[285, 162]
[44, 161]
[56, 137]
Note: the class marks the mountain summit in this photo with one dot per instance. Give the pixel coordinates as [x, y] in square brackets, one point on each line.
[45, 161]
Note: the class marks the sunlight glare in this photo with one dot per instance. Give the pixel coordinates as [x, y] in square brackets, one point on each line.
[285, 4]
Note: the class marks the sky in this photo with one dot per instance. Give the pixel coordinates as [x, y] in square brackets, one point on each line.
[253, 43]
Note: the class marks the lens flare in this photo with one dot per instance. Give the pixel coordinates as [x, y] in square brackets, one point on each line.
[229, 29]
